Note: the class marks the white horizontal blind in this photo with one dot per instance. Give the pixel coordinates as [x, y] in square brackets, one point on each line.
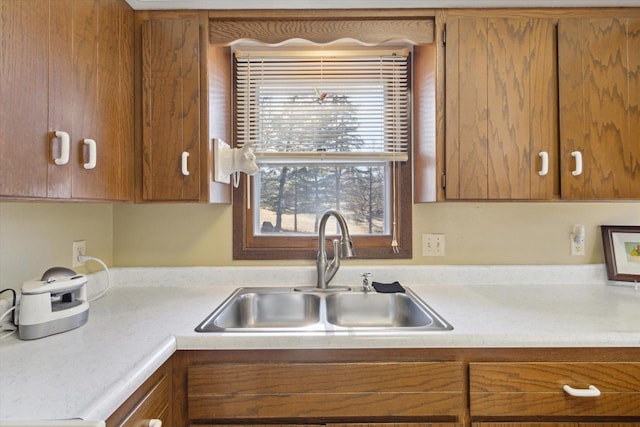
[340, 108]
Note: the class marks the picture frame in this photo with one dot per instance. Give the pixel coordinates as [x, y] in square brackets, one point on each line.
[622, 252]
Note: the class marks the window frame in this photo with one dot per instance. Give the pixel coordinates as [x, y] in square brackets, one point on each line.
[368, 26]
[249, 246]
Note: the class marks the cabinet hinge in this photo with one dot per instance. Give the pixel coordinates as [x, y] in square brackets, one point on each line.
[444, 36]
[443, 180]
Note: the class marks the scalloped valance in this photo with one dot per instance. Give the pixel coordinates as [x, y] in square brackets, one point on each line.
[417, 31]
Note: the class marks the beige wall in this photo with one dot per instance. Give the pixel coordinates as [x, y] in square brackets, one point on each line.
[476, 233]
[36, 236]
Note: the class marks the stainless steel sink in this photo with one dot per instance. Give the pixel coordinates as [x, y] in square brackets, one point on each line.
[376, 310]
[289, 310]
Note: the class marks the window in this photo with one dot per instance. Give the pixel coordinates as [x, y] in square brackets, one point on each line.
[285, 228]
[330, 130]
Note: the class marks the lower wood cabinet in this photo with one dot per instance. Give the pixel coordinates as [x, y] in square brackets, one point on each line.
[152, 401]
[551, 424]
[267, 391]
[424, 387]
[555, 389]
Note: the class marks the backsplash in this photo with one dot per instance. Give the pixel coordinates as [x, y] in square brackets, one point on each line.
[38, 235]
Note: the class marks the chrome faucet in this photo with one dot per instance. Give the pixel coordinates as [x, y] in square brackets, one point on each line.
[327, 270]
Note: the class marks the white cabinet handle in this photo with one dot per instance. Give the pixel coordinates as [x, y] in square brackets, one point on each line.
[185, 168]
[578, 156]
[64, 148]
[544, 169]
[155, 423]
[592, 391]
[92, 154]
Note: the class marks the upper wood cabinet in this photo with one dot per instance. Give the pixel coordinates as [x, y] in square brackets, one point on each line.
[171, 109]
[67, 68]
[178, 84]
[501, 126]
[599, 85]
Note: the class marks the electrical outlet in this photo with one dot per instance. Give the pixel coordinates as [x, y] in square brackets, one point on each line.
[79, 248]
[577, 248]
[433, 245]
[577, 239]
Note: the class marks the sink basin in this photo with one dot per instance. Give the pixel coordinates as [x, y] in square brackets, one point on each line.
[289, 310]
[375, 310]
[272, 308]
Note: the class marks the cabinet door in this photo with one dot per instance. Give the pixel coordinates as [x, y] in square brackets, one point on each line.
[106, 116]
[152, 400]
[599, 85]
[24, 140]
[501, 98]
[171, 109]
[67, 66]
[102, 99]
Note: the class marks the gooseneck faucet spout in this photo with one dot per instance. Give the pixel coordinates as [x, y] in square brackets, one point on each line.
[326, 269]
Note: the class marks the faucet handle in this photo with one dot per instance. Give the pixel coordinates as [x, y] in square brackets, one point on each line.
[365, 281]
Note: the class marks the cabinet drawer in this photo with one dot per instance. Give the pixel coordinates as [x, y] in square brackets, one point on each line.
[289, 390]
[536, 389]
[151, 401]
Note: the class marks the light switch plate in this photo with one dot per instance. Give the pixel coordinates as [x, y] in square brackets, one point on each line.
[433, 245]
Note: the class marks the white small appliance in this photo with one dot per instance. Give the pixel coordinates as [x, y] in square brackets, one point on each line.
[55, 303]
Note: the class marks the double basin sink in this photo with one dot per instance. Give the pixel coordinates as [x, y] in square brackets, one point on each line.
[289, 310]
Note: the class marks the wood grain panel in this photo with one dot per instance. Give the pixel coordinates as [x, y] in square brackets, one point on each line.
[526, 424]
[606, 103]
[191, 108]
[171, 108]
[633, 31]
[153, 399]
[508, 53]
[85, 94]
[103, 181]
[125, 113]
[570, 92]
[597, 89]
[320, 30]
[535, 389]
[256, 391]
[452, 94]
[543, 125]
[60, 95]
[473, 110]
[24, 139]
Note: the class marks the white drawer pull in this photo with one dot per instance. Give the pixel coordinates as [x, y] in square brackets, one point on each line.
[185, 168]
[155, 423]
[592, 391]
[64, 148]
[92, 154]
[544, 169]
[578, 156]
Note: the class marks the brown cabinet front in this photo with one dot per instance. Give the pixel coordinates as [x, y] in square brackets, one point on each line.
[555, 389]
[152, 401]
[324, 391]
[599, 83]
[67, 86]
[171, 125]
[501, 120]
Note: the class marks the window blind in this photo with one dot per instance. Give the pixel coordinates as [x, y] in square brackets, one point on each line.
[312, 107]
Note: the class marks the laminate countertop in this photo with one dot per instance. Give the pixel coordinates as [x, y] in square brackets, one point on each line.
[149, 313]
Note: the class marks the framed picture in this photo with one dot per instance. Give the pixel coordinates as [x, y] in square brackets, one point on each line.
[622, 252]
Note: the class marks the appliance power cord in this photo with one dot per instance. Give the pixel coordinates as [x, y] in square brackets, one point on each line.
[85, 258]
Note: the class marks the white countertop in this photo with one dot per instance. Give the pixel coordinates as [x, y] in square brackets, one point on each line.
[150, 312]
